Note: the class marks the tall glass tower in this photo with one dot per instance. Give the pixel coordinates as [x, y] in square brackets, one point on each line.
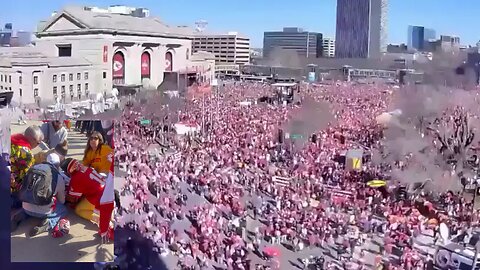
[361, 29]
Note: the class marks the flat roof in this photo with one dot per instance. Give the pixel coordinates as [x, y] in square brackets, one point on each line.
[31, 56]
[284, 84]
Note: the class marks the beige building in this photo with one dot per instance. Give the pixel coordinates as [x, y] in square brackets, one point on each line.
[36, 78]
[328, 47]
[113, 49]
[230, 48]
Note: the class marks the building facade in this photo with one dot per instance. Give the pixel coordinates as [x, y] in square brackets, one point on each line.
[361, 28]
[83, 51]
[397, 48]
[328, 45]
[6, 35]
[418, 37]
[37, 79]
[24, 38]
[304, 43]
[230, 48]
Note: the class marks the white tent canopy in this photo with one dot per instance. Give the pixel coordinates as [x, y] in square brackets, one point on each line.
[185, 128]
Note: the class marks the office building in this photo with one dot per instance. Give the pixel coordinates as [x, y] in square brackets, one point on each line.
[361, 29]
[24, 38]
[397, 48]
[304, 43]
[72, 59]
[36, 78]
[450, 39]
[429, 34]
[6, 35]
[230, 48]
[328, 45]
[419, 36]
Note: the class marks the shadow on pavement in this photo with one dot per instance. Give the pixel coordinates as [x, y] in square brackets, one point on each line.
[136, 252]
[82, 244]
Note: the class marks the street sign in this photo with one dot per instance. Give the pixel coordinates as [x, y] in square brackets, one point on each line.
[145, 122]
[296, 136]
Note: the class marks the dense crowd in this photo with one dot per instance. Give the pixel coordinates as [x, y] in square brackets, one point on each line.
[233, 163]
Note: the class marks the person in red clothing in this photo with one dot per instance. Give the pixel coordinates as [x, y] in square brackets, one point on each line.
[91, 193]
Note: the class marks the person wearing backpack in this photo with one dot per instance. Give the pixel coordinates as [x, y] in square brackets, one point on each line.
[43, 194]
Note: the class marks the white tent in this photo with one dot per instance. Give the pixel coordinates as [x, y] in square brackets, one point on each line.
[185, 128]
[245, 103]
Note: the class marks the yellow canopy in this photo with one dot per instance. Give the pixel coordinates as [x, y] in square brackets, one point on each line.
[376, 183]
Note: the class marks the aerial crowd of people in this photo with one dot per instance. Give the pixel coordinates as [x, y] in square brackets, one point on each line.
[222, 179]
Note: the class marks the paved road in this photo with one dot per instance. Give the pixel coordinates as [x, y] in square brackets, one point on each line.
[288, 258]
[81, 245]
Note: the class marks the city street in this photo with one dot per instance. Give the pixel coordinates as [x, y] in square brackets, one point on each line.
[288, 258]
[82, 244]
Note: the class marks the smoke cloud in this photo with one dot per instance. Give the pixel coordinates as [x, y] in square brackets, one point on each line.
[430, 137]
[311, 117]
[280, 57]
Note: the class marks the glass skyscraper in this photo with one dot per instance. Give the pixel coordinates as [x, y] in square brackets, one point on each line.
[6, 35]
[361, 28]
[418, 36]
[303, 43]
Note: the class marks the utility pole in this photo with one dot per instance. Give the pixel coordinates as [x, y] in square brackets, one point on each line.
[203, 115]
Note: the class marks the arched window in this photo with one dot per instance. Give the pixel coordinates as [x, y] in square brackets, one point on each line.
[118, 68]
[145, 65]
[168, 61]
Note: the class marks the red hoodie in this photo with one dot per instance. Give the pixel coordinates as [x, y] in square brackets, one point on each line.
[21, 140]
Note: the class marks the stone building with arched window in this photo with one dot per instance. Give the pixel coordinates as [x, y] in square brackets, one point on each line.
[124, 50]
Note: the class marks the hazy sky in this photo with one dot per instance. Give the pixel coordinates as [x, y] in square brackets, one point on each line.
[450, 17]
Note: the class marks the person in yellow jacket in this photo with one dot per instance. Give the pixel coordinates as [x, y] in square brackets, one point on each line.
[98, 155]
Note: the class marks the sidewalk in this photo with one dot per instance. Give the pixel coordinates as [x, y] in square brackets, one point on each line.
[81, 245]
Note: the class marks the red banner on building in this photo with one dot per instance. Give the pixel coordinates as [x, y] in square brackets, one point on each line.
[118, 65]
[168, 61]
[105, 54]
[145, 65]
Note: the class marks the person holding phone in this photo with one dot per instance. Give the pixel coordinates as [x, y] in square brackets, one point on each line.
[54, 133]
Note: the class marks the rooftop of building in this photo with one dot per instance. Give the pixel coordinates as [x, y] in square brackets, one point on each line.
[214, 34]
[202, 55]
[85, 19]
[31, 56]
[386, 62]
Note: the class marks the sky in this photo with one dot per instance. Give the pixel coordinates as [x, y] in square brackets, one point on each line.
[253, 17]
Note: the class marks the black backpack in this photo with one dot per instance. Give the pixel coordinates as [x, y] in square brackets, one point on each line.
[39, 184]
